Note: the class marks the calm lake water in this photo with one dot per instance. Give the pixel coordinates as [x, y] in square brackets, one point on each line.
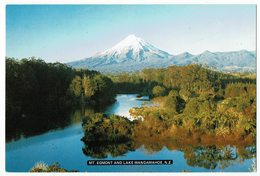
[65, 147]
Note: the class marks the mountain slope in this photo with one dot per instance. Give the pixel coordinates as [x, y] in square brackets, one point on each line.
[133, 53]
[229, 61]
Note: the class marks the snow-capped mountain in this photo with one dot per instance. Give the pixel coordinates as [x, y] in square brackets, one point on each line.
[130, 50]
[133, 48]
[133, 53]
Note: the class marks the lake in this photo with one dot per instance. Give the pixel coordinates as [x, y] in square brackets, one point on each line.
[64, 146]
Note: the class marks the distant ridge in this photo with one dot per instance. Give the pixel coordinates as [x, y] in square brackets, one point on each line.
[134, 53]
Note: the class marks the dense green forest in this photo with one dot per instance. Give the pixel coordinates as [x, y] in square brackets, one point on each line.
[189, 102]
[190, 99]
[42, 94]
[193, 78]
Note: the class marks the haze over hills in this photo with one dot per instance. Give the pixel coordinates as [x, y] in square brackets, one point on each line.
[134, 53]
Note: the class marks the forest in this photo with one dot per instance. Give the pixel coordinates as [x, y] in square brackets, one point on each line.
[192, 99]
[191, 102]
[43, 94]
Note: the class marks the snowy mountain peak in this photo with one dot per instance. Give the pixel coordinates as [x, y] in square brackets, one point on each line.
[132, 39]
[132, 48]
[130, 42]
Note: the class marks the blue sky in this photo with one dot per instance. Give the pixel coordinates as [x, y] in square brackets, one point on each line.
[71, 32]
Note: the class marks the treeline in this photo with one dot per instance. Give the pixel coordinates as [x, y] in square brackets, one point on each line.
[42, 94]
[92, 89]
[193, 78]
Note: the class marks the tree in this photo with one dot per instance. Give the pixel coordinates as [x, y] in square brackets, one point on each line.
[158, 91]
[89, 89]
[185, 94]
[75, 86]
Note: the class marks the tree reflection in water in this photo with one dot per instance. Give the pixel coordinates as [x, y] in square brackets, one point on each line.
[205, 156]
[213, 156]
[210, 157]
[102, 150]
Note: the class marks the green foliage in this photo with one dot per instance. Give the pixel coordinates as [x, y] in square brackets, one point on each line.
[201, 99]
[98, 127]
[173, 93]
[88, 86]
[104, 89]
[158, 91]
[185, 94]
[198, 98]
[33, 86]
[240, 89]
[128, 83]
[192, 107]
[92, 88]
[75, 86]
[171, 104]
[39, 92]
[192, 78]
